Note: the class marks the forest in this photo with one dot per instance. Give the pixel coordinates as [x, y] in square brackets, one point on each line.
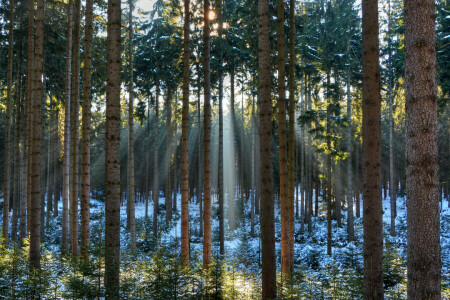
[225, 149]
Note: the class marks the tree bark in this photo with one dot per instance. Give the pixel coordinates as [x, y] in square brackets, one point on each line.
[86, 133]
[350, 222]
[131, 195]
[184, 141]
[74, 110]
[220, 169]
[168, 190]
[207, 139]
[422, 160]
[112, 152]
[155, 193]
[372, 214]
[66, 157]
[285, 257]
[291, 131]
[7, 168]
[35, 224]
[269, 284]
[328, 187]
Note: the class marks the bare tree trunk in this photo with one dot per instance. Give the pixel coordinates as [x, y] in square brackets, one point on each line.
[232, 185]
[23, 170]
[422, 159]
[67, 114]
[291, 131]
[35, 224]
[112, 153]
[199, 190]
[358, 203]
[207, 139]
[350, 222]
[86, 133]
[373, 219]
[168, 190]
[30, 96]
[131, 195]
[155, 193]
[338, 192]
[220, 169]
[50, 165]
[269, 284]
[43, 175]
[7, 168]
[285, 256]
[56, 168]
[16, 180]
[74, 128]
[328, 187]
[184, 142]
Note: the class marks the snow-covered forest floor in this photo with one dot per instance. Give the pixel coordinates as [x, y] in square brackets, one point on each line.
[156, 273]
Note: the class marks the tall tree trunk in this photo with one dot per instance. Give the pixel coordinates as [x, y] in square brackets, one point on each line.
[358, 203]
[328, 187]
[392, 195]
[131, 195]
[285, 257]
[350, 222]
[43, 175]
[373, 210]
[338, 192]
[168, 190]
[232, 185]
[155, 193]
[112, 153]
[422, 160]
[56, 168]
[291, 131]
[207, 138]
[86, 133]
[7, 169]
[30, 97]
[220, 169]
[66, 157]
[184, 141]
[16, 180]
[50, 165]
[199, 190]
[35, 224]
[269, 284]
[147, 161]
[74, 110]
[23, 170]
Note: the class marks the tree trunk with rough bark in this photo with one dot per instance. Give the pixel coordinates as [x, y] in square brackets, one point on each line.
[66, 157]
[112, 153]
[86, 132]
[155, 192]
[207, 138]
[184, 141]
[269, 284]
[371, 133]
[422, 160]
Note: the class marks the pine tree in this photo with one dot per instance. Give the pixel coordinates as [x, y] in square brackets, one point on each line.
[86, 132]
[184, 141]
[112, 153]
[372, 215]
[269, 290]
[422, 160]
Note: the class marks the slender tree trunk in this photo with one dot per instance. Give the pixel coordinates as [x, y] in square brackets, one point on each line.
[220, 171]
[74, 128]
[184, 141]
[50, 165]
[66, 157]
[168, 190]
[147, 161]
[328, 187]
[23, 170]
[269, 284]
[422, 159]
[86, 133]
[56, 168]
[16, 180]
[43, 175]
[155, 193]
[30, 96]
[207, 139]
[112, 153]
[373, 219]
[199, 190]
[358, 203]
[291, 131]
[350, 222]
[285, 256]
[35, 224]
[338, 192]
[131, 195]
[7, 169]
[231, 192]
